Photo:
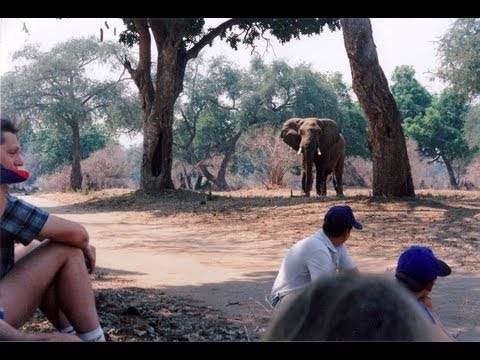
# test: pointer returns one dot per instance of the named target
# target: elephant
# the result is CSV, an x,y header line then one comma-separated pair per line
x,y
321,142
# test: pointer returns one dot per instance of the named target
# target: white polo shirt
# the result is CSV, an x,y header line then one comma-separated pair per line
x,y
307,260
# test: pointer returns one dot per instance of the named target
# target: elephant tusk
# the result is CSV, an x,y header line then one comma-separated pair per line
x,y
319,152
299,151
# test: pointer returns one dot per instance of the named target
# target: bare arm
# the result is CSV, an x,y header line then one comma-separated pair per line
x,y
69,233
64,231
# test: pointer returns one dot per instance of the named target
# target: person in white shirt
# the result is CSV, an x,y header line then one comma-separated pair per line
x,y
323,253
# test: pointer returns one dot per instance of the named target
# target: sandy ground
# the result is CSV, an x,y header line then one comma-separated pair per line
x,y
226,257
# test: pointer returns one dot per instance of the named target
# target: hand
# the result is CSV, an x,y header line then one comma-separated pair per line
x,y
427,301
90,257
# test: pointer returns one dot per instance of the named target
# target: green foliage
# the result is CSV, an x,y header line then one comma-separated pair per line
x,y
459,51
57,86
472,127
350,118
243,166
61,99
246,31
354,129
219,100
188,37
439,133
52,150
129,37
251,29
411,97
216,127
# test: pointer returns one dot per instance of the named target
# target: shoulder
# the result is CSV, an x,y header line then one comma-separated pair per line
x,y
16,207
317,247
316,240
10,197
13,202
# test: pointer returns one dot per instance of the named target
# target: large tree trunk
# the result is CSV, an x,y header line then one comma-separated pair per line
x,y
76,173
158,102
391,168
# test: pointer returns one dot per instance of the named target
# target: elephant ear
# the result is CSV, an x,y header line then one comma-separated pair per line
x,y
290,134
330,131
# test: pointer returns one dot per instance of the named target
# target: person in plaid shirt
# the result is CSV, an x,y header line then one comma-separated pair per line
x,y
49,272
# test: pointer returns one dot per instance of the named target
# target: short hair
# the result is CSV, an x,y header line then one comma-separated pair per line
x,y
338,219
351,308
7,126
334,230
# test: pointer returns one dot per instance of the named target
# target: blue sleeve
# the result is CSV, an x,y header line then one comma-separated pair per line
x,y
22,220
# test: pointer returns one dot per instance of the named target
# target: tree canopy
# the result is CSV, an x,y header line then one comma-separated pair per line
x,y
56,90
439,133
459,51
412,98
178,40
221,103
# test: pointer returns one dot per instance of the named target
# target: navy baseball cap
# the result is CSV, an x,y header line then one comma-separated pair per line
x,y
342,215
417,266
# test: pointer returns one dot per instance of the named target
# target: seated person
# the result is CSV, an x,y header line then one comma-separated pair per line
x,y
351,307
417,270
322,254
51,276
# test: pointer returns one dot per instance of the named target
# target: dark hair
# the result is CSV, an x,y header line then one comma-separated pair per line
x,y
7,126
351,308
332,229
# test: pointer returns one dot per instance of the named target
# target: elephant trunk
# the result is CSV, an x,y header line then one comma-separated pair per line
x,y
309,151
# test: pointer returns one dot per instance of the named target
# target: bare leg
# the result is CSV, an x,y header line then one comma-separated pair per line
x,y
51,310
50,264
48,304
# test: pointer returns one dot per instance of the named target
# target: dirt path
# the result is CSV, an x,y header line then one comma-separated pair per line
x,y
234,273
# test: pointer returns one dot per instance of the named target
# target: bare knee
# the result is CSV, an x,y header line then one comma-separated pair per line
x,y
67,251
57,250
21,250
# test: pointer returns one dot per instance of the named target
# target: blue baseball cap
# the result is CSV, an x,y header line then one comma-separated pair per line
x,y
417,266
342,215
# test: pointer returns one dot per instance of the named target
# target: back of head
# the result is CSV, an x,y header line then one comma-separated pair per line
x,y
338,219
351,308
417,266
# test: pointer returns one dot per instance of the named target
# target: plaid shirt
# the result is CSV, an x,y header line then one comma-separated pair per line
x,y
20,222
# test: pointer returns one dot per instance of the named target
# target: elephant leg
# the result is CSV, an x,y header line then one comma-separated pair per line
x,y
304,184
339,176
321,182
321,188
306,176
